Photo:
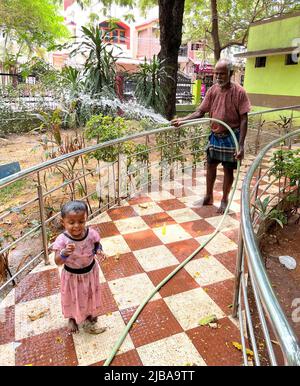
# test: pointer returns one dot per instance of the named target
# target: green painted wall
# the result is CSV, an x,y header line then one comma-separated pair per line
x,y
276,34
274,79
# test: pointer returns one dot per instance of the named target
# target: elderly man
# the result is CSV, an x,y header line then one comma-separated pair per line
x,y
228,102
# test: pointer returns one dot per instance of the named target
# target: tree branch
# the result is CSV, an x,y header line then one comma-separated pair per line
x,y
232,43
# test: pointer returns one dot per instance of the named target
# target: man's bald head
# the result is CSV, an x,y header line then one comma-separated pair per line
x,y
223,72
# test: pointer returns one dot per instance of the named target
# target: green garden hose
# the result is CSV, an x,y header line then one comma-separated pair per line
x,y
167,278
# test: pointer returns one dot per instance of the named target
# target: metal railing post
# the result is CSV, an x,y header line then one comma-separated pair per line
x,y
290,129
42,218
147,143
258,134
238,273
172,157
119,177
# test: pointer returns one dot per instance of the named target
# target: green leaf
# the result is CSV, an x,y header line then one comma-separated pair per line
x,y
279,222
208,319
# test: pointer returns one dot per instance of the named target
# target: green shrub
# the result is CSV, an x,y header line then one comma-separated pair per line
x,y
103,129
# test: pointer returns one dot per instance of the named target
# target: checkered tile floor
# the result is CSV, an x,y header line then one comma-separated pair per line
x,y
145,239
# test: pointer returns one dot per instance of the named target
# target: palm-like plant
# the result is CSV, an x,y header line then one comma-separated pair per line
x,y
72,78
149,91
99,67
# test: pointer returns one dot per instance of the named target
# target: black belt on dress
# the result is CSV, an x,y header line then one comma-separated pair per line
x,y
80,271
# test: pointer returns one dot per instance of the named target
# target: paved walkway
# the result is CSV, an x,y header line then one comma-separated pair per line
x,y
146,238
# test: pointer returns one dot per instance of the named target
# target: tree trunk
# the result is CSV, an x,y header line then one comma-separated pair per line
x,y
215,29
170,23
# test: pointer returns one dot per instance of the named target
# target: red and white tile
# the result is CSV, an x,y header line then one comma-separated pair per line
x,y
145,241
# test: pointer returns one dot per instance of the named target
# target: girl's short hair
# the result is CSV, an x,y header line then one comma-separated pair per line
x,y
74,206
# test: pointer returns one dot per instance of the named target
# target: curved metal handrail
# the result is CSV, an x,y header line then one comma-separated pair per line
x,y
34,169
288,340
274,110
55,161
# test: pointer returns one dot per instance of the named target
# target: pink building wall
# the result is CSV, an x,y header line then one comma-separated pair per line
x,y
67,3
147,41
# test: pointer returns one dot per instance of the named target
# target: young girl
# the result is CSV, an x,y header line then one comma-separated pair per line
x,y
80,286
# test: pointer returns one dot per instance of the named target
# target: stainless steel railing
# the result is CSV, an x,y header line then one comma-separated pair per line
x,y
251,273
117,181
108,181
265,127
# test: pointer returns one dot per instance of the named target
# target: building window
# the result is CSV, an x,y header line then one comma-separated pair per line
x,y
260,61
116,36
113,35
122,37
291,59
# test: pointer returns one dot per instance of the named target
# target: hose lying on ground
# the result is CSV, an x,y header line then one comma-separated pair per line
x,y
181,265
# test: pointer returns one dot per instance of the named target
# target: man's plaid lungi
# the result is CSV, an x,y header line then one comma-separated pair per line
x,y
221,147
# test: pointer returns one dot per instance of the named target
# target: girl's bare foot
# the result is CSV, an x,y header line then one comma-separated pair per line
x,y
222,207
92,319
73,326
207,200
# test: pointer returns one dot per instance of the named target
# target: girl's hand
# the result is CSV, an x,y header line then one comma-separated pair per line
x,y
101,255
69,249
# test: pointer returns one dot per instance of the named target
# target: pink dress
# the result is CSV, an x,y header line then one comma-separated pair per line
x,y
80,293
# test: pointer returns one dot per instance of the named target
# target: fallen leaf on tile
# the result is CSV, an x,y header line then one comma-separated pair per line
x,y
208,319
205,289
108,314
206,257
213,325
143,206
29,364
39,315
59,339
117,256
240,347
197,274
230,306
275,342
164,229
